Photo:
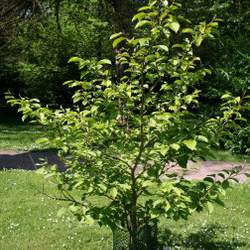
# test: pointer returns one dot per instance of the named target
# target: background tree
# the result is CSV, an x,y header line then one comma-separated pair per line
x,y
38,54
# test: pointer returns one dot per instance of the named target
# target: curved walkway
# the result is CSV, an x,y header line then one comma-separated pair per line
x,y
29,160
198,171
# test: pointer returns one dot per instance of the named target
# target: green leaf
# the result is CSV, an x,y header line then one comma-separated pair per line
x,y
226,96
163,47
117,41
157,202
107,83
174,26
113,192
175,146
148,183
145,8
202,138
191,144
24,117
187,30
116,35
42,140
164,150
198,41
139,16
75,59
68,82
143,41
178,45
167,207
105,61
142,23
237,99
102,187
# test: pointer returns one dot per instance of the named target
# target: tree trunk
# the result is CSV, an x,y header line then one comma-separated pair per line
x,y
121,14
146,239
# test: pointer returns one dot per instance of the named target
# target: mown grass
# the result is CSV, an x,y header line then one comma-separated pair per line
x,y
17,135
227,156
226,228
28,220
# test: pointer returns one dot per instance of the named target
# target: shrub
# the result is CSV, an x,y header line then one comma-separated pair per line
x,y
133,121
239,142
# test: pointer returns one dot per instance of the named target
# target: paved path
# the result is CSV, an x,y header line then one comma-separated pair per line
x,y
29,160
198,171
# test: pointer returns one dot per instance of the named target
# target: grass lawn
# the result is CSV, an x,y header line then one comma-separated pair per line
x,y
28,220
16,135
227,156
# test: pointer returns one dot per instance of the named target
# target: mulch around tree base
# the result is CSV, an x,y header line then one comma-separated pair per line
x,y
31,160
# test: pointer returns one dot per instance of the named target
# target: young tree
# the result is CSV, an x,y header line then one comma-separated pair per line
x,y
128,129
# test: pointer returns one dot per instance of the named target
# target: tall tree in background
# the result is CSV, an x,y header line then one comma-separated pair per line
x,y
12,12
45,34
36,50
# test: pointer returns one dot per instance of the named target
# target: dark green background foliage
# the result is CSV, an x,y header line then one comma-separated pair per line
x,y
35,53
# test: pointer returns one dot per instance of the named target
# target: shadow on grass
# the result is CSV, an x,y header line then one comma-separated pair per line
x,y
204,239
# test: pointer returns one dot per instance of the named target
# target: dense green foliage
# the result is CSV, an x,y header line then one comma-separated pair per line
x,y
35,53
